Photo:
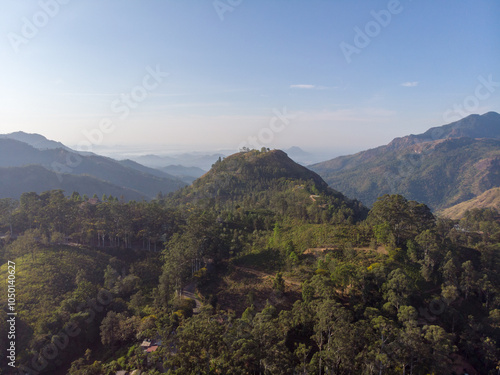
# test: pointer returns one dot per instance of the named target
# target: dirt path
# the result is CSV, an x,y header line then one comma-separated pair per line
x,y
188,292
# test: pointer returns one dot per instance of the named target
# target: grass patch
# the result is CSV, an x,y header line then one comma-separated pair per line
x,y
268,260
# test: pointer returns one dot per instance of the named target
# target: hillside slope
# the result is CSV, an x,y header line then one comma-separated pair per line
x,y
441,167
489,199
34,178
267,180
17,154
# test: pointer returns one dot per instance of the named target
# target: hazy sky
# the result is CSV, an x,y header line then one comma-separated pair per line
x,y
336,75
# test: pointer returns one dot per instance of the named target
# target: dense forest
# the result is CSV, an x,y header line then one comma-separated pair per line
x,y
256,268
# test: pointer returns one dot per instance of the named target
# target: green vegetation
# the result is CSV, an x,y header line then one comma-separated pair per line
x,y
292,278
439,173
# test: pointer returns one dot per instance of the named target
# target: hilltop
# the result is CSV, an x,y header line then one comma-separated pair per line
x,y
266,166
267,180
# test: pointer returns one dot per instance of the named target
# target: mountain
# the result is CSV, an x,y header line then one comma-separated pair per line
x,y
186,174
473,126
16,180
35,140
246,168
489,199
442,167
268,181
299,155
195,159
17,154
141,168
154,161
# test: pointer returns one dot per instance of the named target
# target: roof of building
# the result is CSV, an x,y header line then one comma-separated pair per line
x,y
152,348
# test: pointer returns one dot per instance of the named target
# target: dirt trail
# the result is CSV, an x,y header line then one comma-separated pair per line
x,y
188,292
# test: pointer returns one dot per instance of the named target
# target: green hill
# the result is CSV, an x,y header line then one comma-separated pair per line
x,y
267,180
57,285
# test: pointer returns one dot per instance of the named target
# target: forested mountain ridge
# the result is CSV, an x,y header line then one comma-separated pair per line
x,y
63,161
267,179
14,181
441,167
256,169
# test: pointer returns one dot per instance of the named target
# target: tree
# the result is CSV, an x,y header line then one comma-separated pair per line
x,y
269,334
335,336
439,346
410,348
307,292
27,243
116,328
394,214
382,336
398,288
279,283
468,281
29,205
7,207
110,329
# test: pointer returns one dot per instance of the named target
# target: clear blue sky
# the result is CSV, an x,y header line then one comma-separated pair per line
x,y
231,69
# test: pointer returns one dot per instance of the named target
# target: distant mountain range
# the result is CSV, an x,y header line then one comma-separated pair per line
x,y
57,167
205,160
35,140
186,174
442,167
199,160
16,180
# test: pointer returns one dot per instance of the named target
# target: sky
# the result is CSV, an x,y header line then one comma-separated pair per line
x,y
335,76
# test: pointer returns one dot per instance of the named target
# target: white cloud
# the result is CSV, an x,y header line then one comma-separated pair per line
x,y
302,86
410,84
